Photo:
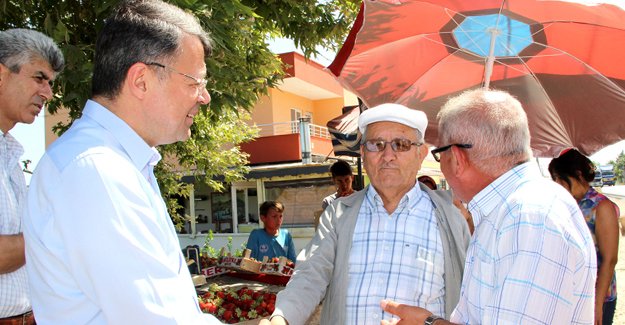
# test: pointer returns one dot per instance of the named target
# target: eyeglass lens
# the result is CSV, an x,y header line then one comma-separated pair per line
x,y
398,145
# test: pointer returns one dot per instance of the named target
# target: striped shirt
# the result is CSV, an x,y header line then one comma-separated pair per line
x,y
397,256
531,259
13,286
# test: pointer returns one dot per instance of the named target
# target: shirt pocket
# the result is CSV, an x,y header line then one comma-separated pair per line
x,y
417,261
483,273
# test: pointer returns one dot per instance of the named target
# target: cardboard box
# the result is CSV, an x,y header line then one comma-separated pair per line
x,y
250,265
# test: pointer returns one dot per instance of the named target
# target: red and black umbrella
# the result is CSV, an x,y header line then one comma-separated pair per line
x,y
562,59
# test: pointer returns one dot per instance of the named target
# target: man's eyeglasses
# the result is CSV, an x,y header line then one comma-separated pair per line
x,y
436,153
398,145
200,84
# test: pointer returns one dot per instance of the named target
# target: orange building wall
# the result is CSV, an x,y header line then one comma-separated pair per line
x,y
283,102
278,148
310,71
62,115
327,109
262,113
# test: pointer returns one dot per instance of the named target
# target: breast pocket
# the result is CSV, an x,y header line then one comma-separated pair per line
x,y
417,261
483,272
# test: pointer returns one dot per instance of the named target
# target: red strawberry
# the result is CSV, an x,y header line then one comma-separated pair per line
x,y
227,315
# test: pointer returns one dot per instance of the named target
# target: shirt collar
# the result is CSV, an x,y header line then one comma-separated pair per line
x,y
14,149
492,196
413,195
139,152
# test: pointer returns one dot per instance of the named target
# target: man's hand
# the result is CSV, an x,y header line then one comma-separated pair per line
x,y
408,315
11,253
277,320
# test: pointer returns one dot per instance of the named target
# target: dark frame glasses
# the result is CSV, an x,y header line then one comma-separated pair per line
x,y
436,153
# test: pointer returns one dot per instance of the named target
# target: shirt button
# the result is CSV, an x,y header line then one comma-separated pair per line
x,y
375,316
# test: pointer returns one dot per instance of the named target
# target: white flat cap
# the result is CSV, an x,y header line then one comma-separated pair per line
x,y
397,113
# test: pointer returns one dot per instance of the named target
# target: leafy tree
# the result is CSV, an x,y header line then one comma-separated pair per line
x,y
240,70
619,167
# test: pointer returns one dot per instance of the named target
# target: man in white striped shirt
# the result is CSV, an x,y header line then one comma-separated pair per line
x,y
29,62
395,239
531,259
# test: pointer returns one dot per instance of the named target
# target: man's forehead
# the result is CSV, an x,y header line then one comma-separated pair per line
x,y
39,65
389,127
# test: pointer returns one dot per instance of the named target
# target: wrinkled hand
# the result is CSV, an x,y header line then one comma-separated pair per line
x,y
407,314
278,320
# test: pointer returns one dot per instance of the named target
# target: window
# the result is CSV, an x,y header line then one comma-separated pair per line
x,y
301,199
296,114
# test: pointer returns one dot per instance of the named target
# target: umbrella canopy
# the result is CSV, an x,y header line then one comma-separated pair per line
x,y
562,59
344,132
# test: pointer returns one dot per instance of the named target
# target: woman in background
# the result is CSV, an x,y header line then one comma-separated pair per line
x,y
574,172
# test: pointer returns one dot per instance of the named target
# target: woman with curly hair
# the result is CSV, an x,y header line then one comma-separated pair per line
x,y
574,172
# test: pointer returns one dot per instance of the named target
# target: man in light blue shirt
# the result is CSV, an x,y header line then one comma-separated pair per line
x,y
100,245
531,259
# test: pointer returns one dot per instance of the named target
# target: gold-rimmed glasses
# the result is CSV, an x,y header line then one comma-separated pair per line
x,y
200,84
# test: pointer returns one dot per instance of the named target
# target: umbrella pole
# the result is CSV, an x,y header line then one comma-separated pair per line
x,y
360,183
490,60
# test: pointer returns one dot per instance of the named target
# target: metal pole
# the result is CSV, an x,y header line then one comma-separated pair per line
x,y
304,139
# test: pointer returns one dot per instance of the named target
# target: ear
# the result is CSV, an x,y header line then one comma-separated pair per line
x,y
4,72
424,149
460,162
139,79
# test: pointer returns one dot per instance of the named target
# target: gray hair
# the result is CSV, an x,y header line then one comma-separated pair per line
x,y
140,31
20,46
493,122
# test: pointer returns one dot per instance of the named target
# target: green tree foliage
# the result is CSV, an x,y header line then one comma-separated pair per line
x,y
619,167
240,70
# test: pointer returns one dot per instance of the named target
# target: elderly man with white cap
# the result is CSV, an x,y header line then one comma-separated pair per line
x,y
396,239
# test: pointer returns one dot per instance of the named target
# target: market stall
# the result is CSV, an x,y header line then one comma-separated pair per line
x,y
240,290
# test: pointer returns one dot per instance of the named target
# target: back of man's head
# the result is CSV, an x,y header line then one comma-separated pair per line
x,y
19,46
140,31
493,122
340,168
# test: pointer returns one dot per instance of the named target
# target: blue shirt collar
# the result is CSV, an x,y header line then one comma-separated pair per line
x,y
413,195
489,198
140,153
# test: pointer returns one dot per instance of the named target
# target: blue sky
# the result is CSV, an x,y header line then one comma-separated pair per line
x,y
32,136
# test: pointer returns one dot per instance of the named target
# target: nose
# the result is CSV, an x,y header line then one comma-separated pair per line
x,y
388,153
205,97
46,92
